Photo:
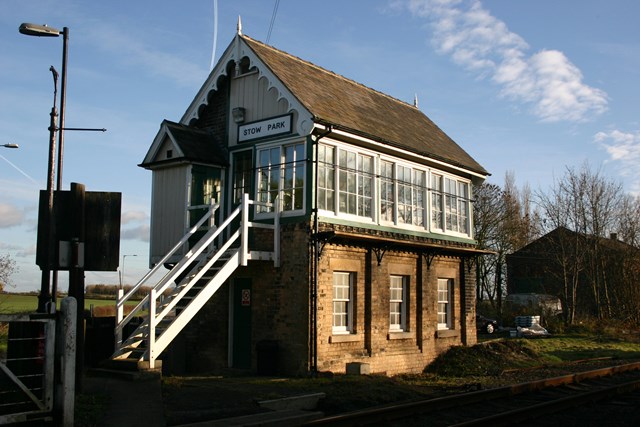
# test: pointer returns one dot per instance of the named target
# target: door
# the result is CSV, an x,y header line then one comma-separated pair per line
x,y
241,323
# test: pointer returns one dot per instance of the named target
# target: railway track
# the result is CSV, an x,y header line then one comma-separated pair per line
x,y
510,405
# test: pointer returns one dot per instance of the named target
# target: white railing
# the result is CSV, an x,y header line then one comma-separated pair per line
x,y
195,262
121,300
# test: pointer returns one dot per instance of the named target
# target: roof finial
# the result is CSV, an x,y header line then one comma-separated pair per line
x,y
239,25
415,100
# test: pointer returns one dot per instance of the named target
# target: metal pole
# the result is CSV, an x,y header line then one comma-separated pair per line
x,y
63,102
45,296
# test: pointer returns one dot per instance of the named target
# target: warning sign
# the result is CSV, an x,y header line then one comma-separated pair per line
x,y
246,297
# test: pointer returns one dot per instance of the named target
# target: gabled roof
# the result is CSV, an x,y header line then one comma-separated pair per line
x,y
350,106
193,145
564,234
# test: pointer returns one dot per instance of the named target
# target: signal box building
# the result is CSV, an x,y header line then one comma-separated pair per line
x,y
357,212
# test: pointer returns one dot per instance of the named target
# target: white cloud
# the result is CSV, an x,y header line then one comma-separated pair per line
x,y
9,247
10,216
137,233
133,216
483,44
29,251
623,148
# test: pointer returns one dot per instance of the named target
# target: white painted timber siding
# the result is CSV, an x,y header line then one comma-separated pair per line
x,y
168,209
260,102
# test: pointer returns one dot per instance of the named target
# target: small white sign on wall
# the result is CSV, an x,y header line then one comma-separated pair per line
x,y
274,126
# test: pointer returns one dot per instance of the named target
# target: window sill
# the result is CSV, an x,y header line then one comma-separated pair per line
x,y
343,338
447,333
400,335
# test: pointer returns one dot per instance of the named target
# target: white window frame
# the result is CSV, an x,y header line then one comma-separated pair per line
x,y
445,304
327,175
455,206
384,181
420,194
342,305
398,291
279,171
360,177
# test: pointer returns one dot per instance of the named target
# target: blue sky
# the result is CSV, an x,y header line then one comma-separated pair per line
x,y
529,86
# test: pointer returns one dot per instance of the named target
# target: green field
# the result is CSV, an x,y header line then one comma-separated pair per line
x,y
20,303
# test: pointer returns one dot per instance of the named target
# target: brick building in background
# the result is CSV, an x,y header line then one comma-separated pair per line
x,y
376,252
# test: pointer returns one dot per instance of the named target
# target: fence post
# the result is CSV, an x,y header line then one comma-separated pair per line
x,y
67,389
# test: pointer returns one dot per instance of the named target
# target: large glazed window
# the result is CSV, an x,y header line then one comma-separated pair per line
x,y
293,185
357,184
355,177
387,187
450,205
281,173
326,178
456,206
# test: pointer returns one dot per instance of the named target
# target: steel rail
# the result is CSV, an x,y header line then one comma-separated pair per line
x,y
401,410
555,405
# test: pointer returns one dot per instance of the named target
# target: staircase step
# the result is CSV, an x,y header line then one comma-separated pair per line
x,y
134,347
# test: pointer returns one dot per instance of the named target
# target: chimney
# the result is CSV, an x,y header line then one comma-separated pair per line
x,y
614,236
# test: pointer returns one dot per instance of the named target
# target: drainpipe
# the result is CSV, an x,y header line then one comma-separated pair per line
x,y
316,261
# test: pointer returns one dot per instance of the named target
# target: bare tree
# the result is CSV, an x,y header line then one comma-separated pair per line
x,y
559,209
503,223
588,204
628,220
7,269
488,213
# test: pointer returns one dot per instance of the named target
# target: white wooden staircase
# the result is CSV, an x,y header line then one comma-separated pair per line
x,y
207,266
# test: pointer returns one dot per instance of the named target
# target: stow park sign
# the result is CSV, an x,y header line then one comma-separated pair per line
x,y
274,126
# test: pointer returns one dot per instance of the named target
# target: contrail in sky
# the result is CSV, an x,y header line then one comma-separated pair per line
x,y
215,33
19,170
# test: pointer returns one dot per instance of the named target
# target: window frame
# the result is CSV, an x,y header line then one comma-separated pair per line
x,y
278,172
454,208
241,179
346,325
401,311
363,180
406,186
447,302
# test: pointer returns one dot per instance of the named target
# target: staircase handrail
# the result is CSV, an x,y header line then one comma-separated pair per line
x,y
160,263
195,252
192,281
205,246
121,300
